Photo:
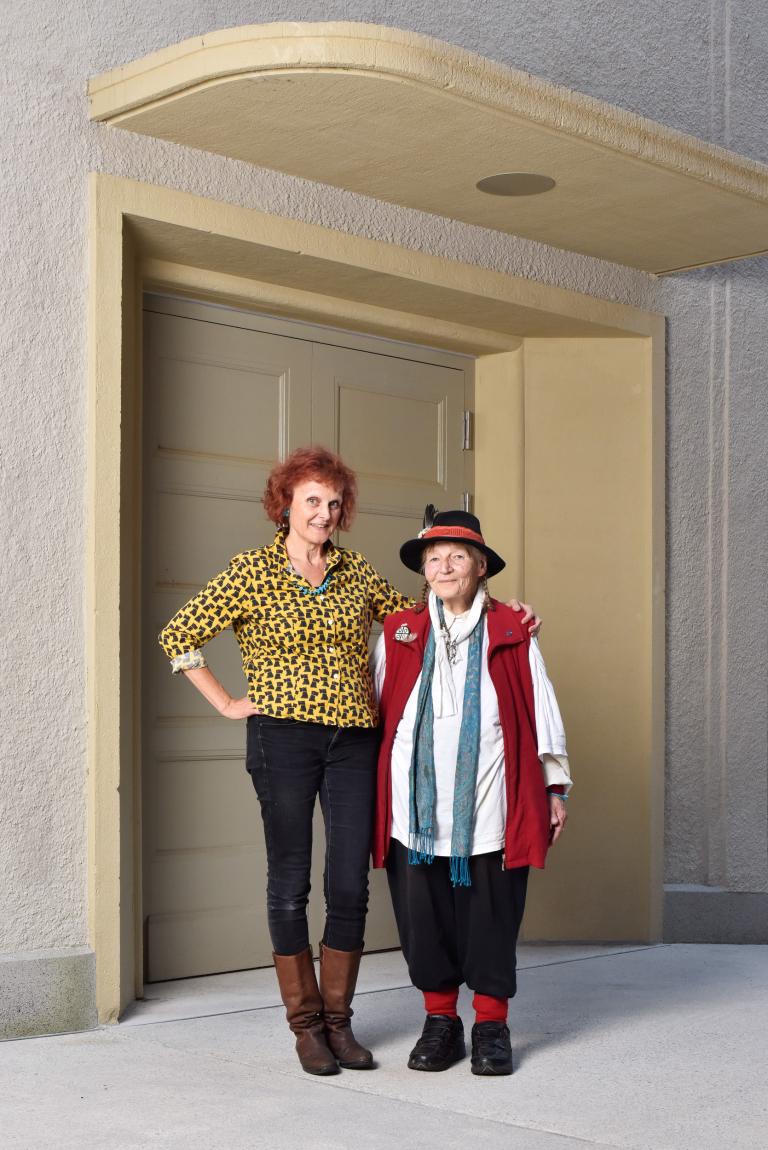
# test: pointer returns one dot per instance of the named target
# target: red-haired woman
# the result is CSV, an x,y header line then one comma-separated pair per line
x,y
301,609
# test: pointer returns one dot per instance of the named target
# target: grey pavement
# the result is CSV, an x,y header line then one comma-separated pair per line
x,y
651,1048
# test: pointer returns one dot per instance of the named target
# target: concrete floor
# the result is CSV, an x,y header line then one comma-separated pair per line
x,y
650,1048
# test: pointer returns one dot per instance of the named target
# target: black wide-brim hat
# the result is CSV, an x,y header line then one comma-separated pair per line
x,y
449,527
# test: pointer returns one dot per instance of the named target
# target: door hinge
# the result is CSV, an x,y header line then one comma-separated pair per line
x,y
466,501
468,431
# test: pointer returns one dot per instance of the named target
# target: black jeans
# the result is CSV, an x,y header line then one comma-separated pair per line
x,y
290,763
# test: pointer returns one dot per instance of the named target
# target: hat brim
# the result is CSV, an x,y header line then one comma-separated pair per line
x,y
412,551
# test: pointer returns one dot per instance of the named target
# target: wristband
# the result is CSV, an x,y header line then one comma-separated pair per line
x,y
557,795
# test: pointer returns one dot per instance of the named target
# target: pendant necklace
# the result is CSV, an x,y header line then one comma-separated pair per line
x,y
451,645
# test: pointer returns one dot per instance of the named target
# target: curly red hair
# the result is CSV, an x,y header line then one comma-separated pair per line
x,y
310,463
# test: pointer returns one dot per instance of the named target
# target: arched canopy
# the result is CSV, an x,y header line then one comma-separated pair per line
x,y
414,121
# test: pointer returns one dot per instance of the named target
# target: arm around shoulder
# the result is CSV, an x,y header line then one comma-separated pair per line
x,y
385,599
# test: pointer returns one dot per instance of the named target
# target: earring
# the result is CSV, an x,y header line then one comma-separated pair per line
x,y
287,513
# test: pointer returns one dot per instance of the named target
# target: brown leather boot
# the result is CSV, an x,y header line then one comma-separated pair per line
x,y
338,978
304,1011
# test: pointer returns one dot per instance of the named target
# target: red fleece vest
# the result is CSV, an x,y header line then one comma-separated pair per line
x,y
526,835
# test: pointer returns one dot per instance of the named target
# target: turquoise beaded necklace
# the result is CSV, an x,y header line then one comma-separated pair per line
x,y
306,589
302,586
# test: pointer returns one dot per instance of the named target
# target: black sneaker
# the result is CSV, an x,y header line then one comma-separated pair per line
x,y
491,1048
441,1044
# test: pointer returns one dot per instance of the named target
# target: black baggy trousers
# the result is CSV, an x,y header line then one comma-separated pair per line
x,y
452,935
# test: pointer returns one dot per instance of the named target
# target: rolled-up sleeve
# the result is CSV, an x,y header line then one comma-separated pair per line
x,y
203,617
549,724
189,661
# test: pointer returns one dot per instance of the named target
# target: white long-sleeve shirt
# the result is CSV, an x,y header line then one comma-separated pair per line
x,y
490,789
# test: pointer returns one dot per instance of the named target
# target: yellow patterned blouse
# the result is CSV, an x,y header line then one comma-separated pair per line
x,y
305,655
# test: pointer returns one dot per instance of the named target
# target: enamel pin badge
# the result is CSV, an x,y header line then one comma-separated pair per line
x,y
404,635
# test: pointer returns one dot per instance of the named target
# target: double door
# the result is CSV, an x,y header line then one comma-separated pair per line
x,y
226,395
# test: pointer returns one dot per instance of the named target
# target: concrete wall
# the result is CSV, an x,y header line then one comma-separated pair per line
x,y
696,67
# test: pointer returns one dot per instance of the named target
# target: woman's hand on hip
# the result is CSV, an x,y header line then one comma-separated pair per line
x,y
558,817
530,614
239,708
204,680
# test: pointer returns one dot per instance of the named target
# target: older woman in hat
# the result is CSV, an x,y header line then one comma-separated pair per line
x,y
472,782
301,609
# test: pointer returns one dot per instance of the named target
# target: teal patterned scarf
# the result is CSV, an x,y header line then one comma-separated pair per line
x,y
422,786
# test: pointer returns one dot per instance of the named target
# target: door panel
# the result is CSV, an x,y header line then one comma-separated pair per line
x,y
222,403
191,529
386,434
379,537
398,423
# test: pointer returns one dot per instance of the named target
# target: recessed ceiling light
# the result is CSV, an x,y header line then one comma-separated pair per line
x,y
515,184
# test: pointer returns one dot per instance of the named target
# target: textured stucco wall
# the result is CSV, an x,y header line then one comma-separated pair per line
x,y
717,616
717,529
695,70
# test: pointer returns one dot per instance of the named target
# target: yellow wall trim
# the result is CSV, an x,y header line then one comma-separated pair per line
x,y
141,235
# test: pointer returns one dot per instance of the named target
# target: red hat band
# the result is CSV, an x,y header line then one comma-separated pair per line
x,y
452,533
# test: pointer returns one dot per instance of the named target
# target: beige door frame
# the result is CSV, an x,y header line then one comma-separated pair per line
x,y
146,237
